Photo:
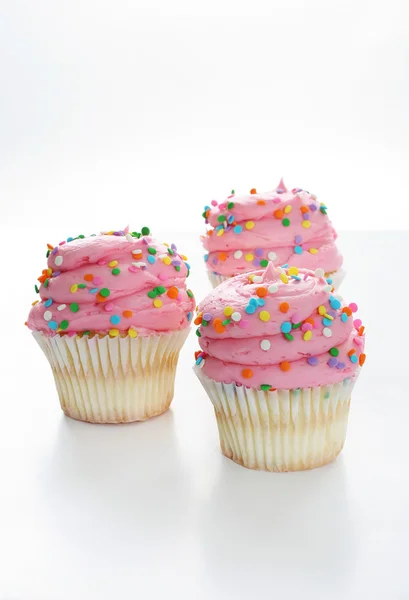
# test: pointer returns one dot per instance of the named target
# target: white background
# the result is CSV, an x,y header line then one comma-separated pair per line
x,y
141,113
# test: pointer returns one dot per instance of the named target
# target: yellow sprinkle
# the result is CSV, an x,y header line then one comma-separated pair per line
x,y
322,310
34,303
293,271
249,225
166,260
307,336
251,278
313,250
165,244
157,303
264,315
228,311
288,209
49,271
283,277
73,288
183,257
328,317
249,257
132,333
113,264
113,332
306,224
220,232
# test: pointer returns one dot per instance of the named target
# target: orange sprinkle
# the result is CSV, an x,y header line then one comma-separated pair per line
x,y
253,191
347,311
362,359
247,373
284,306
222,256
172,292
361,330
50,247
210,232
351,352
279,214
217,324
100,298
261,202
285,366
127,314
304,209
197,354
198,321
309,320
88,277
261,292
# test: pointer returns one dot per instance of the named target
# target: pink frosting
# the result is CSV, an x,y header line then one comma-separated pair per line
x,y
108,300
243,325
253,231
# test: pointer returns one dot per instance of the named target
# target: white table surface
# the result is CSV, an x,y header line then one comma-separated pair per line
x,y
153,510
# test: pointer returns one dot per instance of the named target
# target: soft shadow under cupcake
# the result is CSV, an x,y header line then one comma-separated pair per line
x,y
264,533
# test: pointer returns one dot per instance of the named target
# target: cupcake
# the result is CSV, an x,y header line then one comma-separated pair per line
x,y
280,354
284,227
113,314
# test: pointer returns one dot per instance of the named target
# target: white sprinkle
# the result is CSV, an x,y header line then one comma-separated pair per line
x,y
202,364
236,316
139,264
58,260
139,251
272,256
238,254
265,345
61,307
48,315
319,272
273,288
257,279
327,332
129,237
328,288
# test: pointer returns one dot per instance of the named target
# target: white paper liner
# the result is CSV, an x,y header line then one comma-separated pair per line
x,y
114,380
284,430
337,278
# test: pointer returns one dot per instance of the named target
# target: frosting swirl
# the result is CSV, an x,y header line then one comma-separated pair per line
x,y
278,329
113,283
285,227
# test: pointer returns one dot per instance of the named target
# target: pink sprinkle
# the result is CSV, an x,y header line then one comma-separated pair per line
x,y
102,261
295,318
222,206
213,202
243,323
306,276
353,307
358,341
109,306
357,323
72,333
163,276
97,280
61,243
133,269
276,200
306,327
179,297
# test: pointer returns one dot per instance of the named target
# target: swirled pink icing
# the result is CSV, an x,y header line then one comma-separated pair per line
x,y
278,328
113,284
285,227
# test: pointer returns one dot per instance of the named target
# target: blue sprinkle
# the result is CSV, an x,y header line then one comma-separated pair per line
x,y
253,301
187,265
329,281
48,302
353,358
327,322
261,301
238,229
335,304
286,327
189,316
230,219
344,317
284,266
296,277
53,325
69,239
93,291
219,227
151,259
298,250
250,309
199,360
206,257
115,319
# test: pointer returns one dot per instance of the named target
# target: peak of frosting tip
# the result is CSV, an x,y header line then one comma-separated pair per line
x,y
281,187
271,273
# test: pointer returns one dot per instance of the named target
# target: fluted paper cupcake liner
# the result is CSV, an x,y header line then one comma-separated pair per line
x,y
113,380
337,278
281,430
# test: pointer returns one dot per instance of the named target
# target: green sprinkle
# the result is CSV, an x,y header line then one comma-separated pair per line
x,y
189,293
37,291
136,234
116,271
46,282
48,253
323,210
198,333
105,292
265,387
221,218
177,268
145,231
74,307
64,324
82,286
289,337
170,251
232,192
334,351
204,215
151,250
297,325
226,322
160,289
86,333
263,263
81,236
152,294
230,205
285,222
204,323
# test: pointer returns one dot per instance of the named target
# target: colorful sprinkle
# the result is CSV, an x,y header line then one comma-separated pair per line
x,y
115,319
313,361
238,254
105,292
307,335
285,366
61,307
326,332
332,362
334,351
362,359
264,315
64,324
272,256
286,327
306,224
247,373
249,257
284,307
265,345
272,289
237,229
283,277
157,303
53,325
249,225
228,311
113,332
74,307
